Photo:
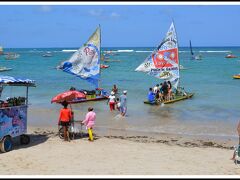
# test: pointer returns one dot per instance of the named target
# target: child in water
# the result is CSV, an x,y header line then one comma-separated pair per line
x,y
118,104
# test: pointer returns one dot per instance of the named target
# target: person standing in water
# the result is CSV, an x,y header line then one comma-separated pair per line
x,y
123,103
115,89
111,101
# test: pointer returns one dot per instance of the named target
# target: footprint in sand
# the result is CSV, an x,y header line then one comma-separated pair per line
x,y
117,117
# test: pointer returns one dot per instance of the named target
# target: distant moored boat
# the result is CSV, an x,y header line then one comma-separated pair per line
x,y
193,57
11,56
5,69
47,54
1,50
230,56
237,76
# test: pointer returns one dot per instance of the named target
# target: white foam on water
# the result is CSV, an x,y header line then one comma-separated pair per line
x,y
126,50
69,50
215,51
143,51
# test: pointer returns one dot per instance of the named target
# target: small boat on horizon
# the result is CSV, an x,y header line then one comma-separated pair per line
x,y
1,50
194,57
11,56
237,76
104,66
47,54
181,67
5,69
230,56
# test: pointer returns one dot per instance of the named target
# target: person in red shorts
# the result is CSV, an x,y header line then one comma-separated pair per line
x,y
111,101
65,117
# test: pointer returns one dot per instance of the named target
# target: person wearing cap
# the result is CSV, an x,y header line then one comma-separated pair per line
x,y
111,101
123,103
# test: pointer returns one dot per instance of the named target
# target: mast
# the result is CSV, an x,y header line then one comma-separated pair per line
x,y
191,48
177,55
100,57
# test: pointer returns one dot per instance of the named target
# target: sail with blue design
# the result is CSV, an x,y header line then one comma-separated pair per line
x,y
85,63
163,62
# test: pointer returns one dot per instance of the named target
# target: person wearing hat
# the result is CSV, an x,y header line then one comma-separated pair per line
x,y
123,103
111,101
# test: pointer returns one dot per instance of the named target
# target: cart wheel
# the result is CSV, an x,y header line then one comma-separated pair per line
x,y
72,136
24,139
61,133
6,144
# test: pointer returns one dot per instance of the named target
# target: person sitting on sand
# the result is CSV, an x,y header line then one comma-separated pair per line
x,y
238,147
65,117
89,122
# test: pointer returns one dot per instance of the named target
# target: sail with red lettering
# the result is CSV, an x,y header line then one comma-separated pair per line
x,y
163,62
85,63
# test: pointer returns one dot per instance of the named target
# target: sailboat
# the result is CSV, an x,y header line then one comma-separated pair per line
x,y
163,63
4,69
85,64
193,57
230,55
1,50
11,56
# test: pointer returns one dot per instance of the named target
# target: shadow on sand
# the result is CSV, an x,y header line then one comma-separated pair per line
x,y
35,139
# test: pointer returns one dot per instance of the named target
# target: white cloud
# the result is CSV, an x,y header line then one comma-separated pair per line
x,y
46,8
113,14
97,13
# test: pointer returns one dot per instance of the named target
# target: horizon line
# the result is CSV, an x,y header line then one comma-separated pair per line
x,y
115,47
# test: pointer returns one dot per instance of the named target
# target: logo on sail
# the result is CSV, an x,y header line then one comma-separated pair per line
x,y
165,58
166,75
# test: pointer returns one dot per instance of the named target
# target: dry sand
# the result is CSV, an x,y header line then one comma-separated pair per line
x,y
117,155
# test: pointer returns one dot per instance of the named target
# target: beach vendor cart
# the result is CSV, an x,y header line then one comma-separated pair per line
x,y
13,112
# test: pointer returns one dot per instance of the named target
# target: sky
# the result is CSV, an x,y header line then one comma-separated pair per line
x,y
28,26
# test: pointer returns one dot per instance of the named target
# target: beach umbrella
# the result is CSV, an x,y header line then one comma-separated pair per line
x,y
67,96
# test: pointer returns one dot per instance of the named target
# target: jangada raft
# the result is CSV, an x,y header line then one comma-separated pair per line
x,y
85,64
163,63
13,110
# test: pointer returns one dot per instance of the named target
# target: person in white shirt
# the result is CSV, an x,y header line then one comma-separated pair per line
x,y
111,101
156,89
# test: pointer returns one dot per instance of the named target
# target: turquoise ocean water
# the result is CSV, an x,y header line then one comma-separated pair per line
x,y
214,109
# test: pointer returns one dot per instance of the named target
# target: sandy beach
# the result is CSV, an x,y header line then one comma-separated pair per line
x,y
47,154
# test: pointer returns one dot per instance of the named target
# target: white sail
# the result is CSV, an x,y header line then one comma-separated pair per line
x,y
163,62
85,62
